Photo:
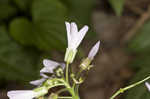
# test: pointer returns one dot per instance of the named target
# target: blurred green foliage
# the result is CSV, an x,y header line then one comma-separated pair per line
x,y
29,28
140,46
117,6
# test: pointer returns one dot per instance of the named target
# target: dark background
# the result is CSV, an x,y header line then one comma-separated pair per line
x,y
31,30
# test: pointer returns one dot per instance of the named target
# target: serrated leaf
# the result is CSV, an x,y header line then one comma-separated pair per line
x,y
21,29
141,42
117,5
16,63
140,91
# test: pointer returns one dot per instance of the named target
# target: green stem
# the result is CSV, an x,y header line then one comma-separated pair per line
x,y
62,90
67,72
121,90
64,97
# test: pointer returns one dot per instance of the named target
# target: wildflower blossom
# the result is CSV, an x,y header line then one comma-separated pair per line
x,y
147,85
74,39
50,65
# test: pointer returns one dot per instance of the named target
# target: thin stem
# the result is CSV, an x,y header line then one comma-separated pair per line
x,y
121,90
62,90
78,75
67,72
65,97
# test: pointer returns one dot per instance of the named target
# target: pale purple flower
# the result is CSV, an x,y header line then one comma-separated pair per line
x,y
27,94
50,65
38,82
94,51
147,85
74,39
74,36
21,94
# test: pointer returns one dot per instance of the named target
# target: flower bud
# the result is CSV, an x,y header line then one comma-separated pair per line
x,y
85,65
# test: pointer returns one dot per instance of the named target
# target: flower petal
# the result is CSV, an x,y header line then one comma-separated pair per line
x,y
46,70
68,32
43,75
37,82
21,94
73,29
81,35
49,63
147,85
63,65
94,50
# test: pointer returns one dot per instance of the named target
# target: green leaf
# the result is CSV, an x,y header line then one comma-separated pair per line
x,y
141,42
47,29
117,5
16,63
48,17
21,29
139,92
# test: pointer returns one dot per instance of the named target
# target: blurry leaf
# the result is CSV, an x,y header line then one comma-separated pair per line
x,y
48,17
81,10
141,62
139,92
6,10
16,63
23,4
117,5
47,29
21,29
141,42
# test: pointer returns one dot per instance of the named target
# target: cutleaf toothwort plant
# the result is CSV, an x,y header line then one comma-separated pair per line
x,y
61,73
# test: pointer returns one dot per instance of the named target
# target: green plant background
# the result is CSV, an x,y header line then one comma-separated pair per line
x,y
29,28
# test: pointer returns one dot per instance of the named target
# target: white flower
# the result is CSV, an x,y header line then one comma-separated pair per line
x,y
74,39
94,51
147,85
50,65
74,36
21,94
27,94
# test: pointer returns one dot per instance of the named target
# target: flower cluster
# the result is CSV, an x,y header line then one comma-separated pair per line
x,y
61,75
